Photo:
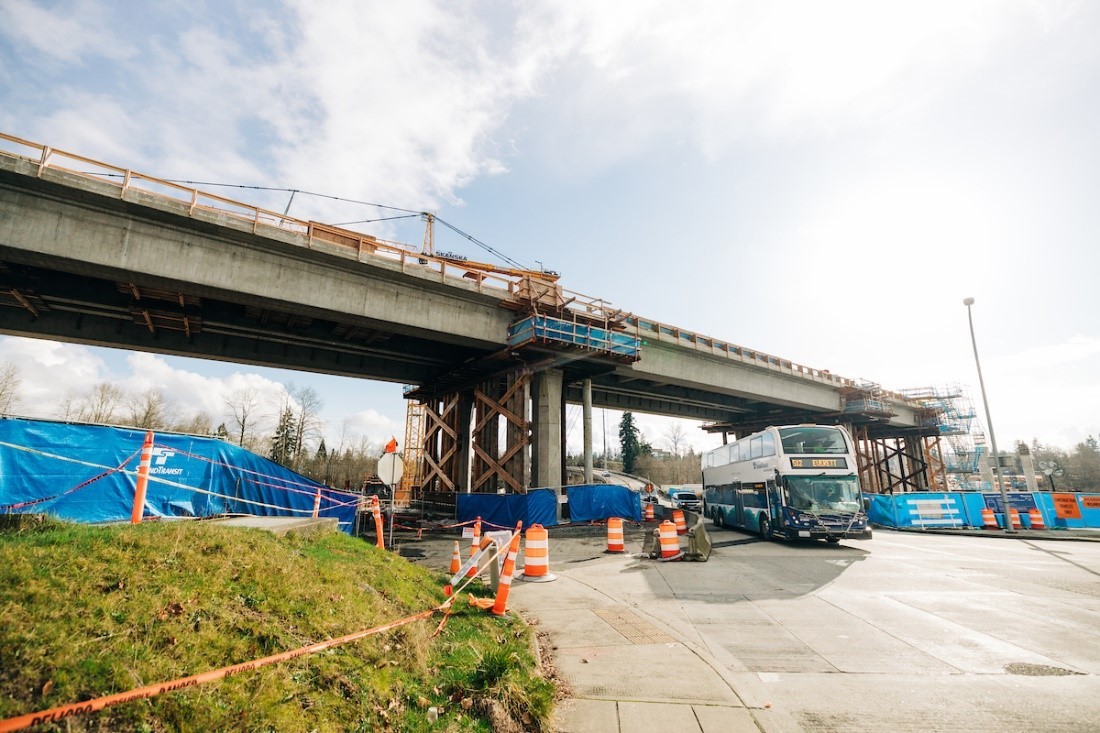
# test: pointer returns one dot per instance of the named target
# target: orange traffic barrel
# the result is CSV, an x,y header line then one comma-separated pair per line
x,y
456,560
1015,518
670,542
615,535
989,519
536,555
681,523
648,511
1036,518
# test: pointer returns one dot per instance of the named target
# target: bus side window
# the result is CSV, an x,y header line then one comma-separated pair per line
x,y
768,445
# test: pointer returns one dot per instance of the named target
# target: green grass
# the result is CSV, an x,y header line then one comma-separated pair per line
x,y
90,611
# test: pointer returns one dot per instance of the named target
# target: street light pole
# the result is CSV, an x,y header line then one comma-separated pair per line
x,y
989,422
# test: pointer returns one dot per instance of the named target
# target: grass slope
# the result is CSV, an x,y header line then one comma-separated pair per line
x,y
89,611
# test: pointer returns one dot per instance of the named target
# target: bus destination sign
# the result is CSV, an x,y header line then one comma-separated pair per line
x,y
819,463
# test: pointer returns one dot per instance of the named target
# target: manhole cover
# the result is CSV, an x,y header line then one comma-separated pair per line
x,y
1037,670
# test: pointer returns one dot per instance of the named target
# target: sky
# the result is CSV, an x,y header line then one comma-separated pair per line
x,y
824,182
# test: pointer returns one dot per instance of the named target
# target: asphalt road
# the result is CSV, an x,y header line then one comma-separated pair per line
x,y
904,632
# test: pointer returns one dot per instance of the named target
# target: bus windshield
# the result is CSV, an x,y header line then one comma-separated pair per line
x,y
812,439
823,494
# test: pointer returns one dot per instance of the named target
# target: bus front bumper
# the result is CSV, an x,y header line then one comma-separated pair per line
x,y
819,533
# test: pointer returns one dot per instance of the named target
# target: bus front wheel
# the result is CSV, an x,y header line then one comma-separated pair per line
x,y
719,520
765,528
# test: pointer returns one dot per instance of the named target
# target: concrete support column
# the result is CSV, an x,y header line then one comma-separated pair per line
x,y
465,452
587,397
546,427
1027,465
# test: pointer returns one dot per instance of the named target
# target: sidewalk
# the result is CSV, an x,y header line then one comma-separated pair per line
x,y
634,669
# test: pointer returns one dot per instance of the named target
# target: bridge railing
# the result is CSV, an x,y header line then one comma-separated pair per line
x,y
508,285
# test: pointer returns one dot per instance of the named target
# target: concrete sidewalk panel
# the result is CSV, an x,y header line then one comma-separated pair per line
x,y
578,715
719,719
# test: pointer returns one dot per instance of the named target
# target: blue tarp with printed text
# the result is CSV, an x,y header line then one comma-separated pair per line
x,y
88,473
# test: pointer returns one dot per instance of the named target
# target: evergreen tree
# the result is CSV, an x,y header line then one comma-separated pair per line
x,y
222,432
631,444
283,442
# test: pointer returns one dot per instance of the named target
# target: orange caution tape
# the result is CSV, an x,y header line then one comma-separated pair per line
x,y
53,715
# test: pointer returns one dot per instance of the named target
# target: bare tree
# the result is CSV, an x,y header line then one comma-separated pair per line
x,y
100,404
675,438
151,409
308,419
243,405
11,379
201,423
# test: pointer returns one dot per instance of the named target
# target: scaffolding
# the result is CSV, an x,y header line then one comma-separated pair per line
x,y
950,410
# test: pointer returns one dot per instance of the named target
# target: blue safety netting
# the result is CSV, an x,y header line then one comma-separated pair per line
x,y
538,506
588,502
88,473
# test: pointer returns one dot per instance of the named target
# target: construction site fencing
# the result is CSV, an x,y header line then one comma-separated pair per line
x,y
963,509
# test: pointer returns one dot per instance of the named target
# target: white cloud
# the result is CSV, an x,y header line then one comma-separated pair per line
x,y
71,34
49,370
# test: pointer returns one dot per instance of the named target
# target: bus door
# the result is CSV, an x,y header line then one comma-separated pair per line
x,y
737,503
775,510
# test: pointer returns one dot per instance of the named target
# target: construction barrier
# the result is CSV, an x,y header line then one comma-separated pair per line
x,y
989,519
57,714
1014,514
670,542
143,479
475,542
648,509
615,535
536,555
500,605
679,520
1035,517
379,532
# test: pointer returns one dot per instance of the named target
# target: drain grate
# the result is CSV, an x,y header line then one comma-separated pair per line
x,y
1037,670
633,628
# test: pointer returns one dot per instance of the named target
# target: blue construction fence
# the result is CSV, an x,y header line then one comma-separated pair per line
x,y
963,509
584,503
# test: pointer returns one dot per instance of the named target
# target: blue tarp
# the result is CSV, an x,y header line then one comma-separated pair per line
x,y
588,502
88,473
538,506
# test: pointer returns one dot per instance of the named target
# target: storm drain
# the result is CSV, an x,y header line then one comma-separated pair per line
x,y
630,626
1037,670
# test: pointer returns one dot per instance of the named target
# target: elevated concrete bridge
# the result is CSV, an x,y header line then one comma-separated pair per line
x,y
99,255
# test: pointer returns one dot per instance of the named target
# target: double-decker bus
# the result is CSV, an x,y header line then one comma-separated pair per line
x,y
796,481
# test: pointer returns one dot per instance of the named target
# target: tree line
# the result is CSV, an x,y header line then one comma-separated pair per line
x,y
285,426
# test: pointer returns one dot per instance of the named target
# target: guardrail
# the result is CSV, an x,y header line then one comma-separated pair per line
x,y
514,287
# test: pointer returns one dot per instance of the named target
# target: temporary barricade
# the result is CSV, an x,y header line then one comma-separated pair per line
x,y
649,515
679,521
88,473
670,542
916,509
596,502
537,506
536,555
615,535
1035,517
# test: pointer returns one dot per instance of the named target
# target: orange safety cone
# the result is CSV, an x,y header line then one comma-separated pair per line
x,y
474,543
670,542
615,535
989,519
456,560
648,512
1036,518
679,521
1016,524
536,555
500,606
